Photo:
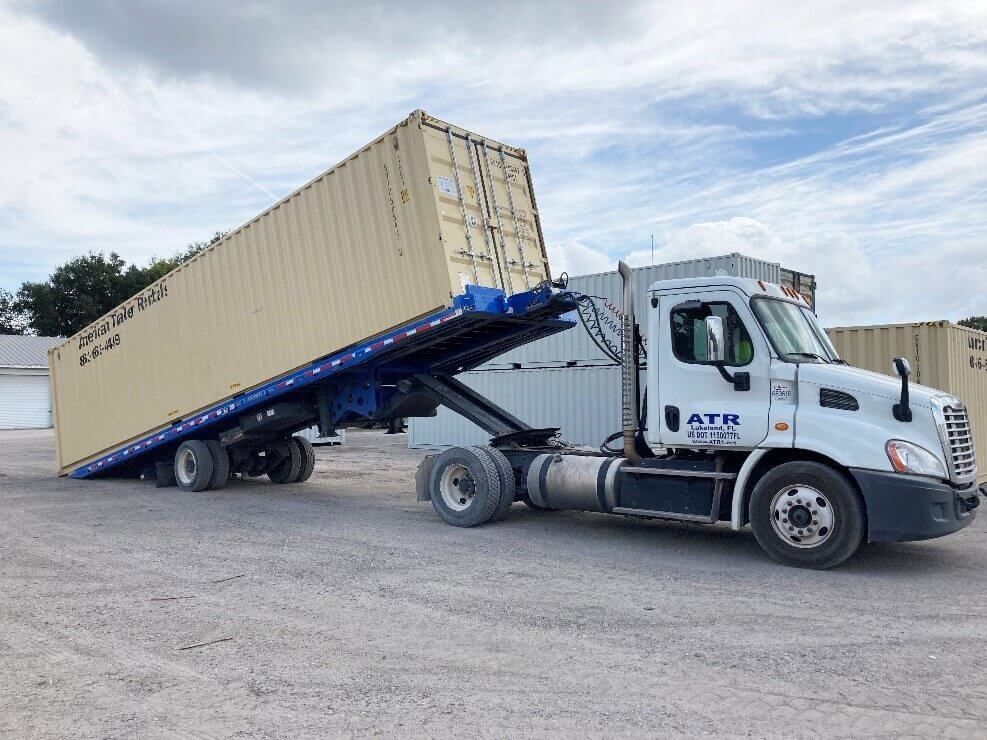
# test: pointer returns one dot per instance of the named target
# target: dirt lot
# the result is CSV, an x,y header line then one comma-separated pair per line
x,y
350,608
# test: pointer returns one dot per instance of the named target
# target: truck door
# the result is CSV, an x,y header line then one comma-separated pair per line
x,y
696,406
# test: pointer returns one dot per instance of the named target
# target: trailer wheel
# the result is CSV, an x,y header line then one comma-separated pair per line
x,y
288,470
808,515
308,459
508,484
220,465
465,486
193,465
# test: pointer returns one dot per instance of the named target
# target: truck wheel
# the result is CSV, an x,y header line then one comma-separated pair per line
x,y
193,465
220,465
465,486
508,484
290,467
308,459
808,515
422,476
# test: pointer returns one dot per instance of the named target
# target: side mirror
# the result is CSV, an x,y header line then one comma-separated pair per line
x,y
715,342
901,411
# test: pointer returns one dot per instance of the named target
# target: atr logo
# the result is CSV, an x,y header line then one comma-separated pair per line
x,y
714,419
715,430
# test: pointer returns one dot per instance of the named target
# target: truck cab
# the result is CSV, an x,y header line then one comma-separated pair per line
x,y
743,365
749,416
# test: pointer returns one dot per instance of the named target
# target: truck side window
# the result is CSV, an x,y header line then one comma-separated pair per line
x,y
689,333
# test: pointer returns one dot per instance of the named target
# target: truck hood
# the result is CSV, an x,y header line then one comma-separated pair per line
x,y
858,380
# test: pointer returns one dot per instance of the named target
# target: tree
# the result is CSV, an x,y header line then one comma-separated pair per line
x,y
975,322
160,267
85,288
12,320
76,294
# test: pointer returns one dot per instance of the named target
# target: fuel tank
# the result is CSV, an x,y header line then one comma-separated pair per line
x,y
574,482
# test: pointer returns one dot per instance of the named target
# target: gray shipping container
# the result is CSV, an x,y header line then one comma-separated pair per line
x,y
583,401
575,347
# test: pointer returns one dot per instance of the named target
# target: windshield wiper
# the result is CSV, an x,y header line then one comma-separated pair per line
x,y
811,355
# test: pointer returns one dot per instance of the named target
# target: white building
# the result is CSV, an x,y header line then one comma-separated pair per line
x,y
25,397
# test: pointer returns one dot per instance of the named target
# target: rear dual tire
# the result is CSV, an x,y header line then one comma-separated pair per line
x,y
298,463
194,465
470,485
221,465
204,464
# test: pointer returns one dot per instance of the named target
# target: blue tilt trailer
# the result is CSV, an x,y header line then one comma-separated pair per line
x,y
405,372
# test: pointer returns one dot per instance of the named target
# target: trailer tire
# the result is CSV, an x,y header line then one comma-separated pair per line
x,y
193,465
808,515
308,459
465,486
220,465
288,469
508,484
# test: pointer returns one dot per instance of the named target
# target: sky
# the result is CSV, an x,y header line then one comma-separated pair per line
x,y
847,140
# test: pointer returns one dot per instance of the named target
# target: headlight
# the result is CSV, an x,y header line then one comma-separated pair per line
x,y
906,457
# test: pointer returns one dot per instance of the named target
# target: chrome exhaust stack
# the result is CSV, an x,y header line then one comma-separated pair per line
x,y
628,368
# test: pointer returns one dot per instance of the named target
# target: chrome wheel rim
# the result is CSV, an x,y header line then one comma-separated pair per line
x,y
802,516
186,467
457,487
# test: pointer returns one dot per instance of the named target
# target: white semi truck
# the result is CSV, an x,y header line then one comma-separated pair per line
x,y
749,417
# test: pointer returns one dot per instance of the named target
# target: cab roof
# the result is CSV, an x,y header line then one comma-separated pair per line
x,y
748,286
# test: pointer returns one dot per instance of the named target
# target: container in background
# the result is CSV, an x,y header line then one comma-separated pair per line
x,y
583,401
801,283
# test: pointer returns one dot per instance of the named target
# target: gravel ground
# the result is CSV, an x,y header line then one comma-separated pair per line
x,y
345,607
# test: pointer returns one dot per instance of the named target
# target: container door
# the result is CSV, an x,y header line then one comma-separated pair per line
x,y
487,214
696,406
510,219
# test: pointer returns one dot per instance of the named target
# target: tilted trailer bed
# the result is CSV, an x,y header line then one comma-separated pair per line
x,y
407,371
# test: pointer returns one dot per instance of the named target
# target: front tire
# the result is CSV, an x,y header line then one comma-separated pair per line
x,y
465,486
808,515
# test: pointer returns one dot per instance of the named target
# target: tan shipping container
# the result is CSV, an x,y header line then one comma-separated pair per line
x,y
942,355
389,234
800,282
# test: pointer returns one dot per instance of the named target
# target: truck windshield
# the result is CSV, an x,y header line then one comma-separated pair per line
x,y
794,332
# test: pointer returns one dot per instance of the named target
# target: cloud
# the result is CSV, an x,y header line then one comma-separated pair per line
x,y
843,272
578,259
844,139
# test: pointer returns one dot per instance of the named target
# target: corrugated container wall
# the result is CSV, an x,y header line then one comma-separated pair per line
x,y
942,355
802,283
390,234
576,347
583,401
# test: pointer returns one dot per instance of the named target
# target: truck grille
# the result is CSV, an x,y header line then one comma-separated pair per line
x,y
960,439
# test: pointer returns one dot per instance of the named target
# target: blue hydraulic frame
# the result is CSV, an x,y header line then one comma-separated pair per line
x,y
542,305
